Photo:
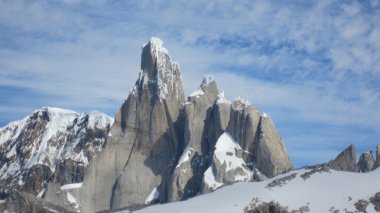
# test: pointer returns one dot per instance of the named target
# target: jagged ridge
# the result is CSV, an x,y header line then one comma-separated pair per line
x,y
50,144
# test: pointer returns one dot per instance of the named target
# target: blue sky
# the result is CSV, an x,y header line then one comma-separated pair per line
x,y
313,66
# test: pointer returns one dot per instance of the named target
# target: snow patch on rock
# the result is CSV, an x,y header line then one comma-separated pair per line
x,y
241,103
209,179
41,193
222,99
71,186
185,156
154,195
225,152
72,200
197,93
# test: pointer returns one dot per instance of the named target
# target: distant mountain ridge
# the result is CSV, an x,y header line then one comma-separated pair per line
x,y
160,147
51,143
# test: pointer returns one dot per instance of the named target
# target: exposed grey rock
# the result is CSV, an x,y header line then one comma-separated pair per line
x,y
345,161
319,168
270,154
377,163
187,175
255,206
366,162
244,126
375,200
15,201
259,139
282,181
143,145
258,176
361,205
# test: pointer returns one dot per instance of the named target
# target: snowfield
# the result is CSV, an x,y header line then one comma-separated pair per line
x,y
321,192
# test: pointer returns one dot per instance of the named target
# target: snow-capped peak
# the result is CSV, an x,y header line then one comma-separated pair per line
x,y
157,42
157,45
98,119
56,111
47,137
160,71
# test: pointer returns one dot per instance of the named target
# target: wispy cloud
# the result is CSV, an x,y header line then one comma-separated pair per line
x,y
313,62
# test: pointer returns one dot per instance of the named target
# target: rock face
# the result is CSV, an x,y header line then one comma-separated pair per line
x,y
143,144
270,155
366,162
198,142
155,104
345,161
220,139
377,163
164,148
14,201
49,145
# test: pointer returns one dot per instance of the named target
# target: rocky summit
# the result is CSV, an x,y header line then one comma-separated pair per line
x,y
161,147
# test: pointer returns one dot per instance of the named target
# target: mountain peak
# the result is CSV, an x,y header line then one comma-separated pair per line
x,y
241,103
55,111
207,80
156,43
158,72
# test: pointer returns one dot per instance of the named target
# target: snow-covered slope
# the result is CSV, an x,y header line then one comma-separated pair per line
x,y
305,190
42,146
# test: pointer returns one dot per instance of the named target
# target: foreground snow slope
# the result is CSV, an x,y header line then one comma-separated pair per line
x,y
321,192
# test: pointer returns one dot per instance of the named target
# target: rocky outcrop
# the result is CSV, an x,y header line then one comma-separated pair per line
x,y
255,206
49,145
345,161
366,162
14,201
259,139
375,200
256,150
377,162
270,155
198,140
